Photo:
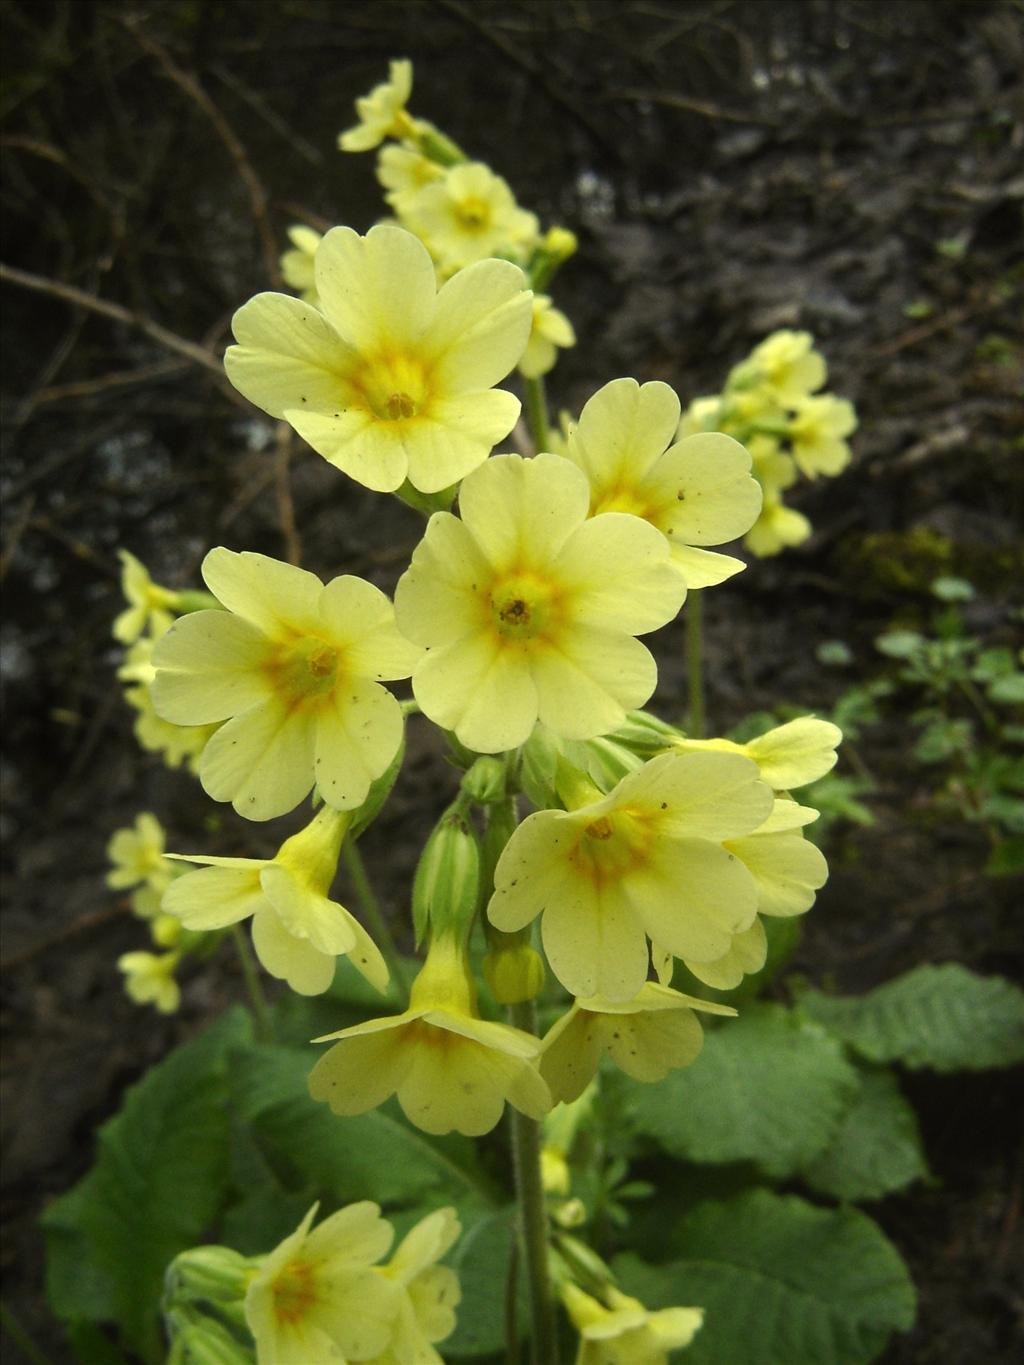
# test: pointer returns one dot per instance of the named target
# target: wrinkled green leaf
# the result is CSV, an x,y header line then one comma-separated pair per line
x,y
158,1182
944,1017
877,1148
768,1087
781,1283
480,1258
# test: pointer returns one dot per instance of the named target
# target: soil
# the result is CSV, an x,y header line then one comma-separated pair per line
x,y
844,166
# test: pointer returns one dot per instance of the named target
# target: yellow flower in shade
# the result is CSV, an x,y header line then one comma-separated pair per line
x,y
297,930
403,172
469,215
529,609
149,979
645,861
817,431
697,492
646,1037
297,263
393,378
148,603
625,1332
318,1297
788,363
703,414
137,855
551,329
382,112
777,528
450,1068
297,667
788,871
428,1293
788,756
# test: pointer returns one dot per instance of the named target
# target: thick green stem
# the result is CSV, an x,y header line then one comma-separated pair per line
x,y
533,1218
694,666
372,913
537,413
253,986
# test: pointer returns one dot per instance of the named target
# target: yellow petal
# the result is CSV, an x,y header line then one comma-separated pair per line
x,y
521,512
278,598
439,598
589,679
368,450
623,429
619,574
288,356
356,735
706,490
699,795
596,945
359,1073
304,914
378,291
261,761
648,1046
359,617
307,970
209,666
213,897
691,897
481,325
455,435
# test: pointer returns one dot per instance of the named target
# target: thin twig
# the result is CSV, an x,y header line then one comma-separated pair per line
x,y
285,505
117,379
670,99
80,299
251,181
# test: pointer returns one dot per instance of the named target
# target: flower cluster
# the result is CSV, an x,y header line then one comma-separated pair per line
x,y
139,865
771,403
323,1294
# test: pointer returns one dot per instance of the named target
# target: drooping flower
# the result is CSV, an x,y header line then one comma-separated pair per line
x,y
297,666
551,329
468,215
697,491
644,862
137,855
450,1068
149,979
817,431
428,1293
788,756
529,609
382,112
317,1297
297,262
149,604
297,930
623,1332
788,363
646,1037
392,379
778,526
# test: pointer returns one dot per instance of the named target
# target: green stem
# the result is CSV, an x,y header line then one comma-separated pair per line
x,y
372,913
253,986
537,413
21,1338
695,666
533,1218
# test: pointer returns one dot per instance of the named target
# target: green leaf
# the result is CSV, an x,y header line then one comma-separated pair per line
x,y
878,1146
769,1087
1007,858
1008,690
781,1283
480,1258
371,1156
943,1017
158,1182
900,644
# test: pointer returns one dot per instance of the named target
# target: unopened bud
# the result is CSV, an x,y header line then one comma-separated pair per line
x,y
514,973
485,781
211,1273
446,889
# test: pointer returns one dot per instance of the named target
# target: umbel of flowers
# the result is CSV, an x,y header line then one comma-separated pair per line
x,y
516,627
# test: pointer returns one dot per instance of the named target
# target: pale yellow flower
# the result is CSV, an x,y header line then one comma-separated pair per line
x,y
703,414
149,604
175,743
697,492
297,667
149,979
777,528
646,1037
625,1332
382,112
469,215
297,263
551,329
392,379
529,609
137,855
318,1298
787,362
788,756
297,930
428,1293
817,431
450,1068
403,172
645,861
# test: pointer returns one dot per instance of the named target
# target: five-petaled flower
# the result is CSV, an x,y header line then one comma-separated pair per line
x,y
297,666
644,862
697,491
529,609
450,1068
393,379
382,112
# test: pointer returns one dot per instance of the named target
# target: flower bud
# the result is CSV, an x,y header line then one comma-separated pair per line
x,y
514,972
446,888
485,781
